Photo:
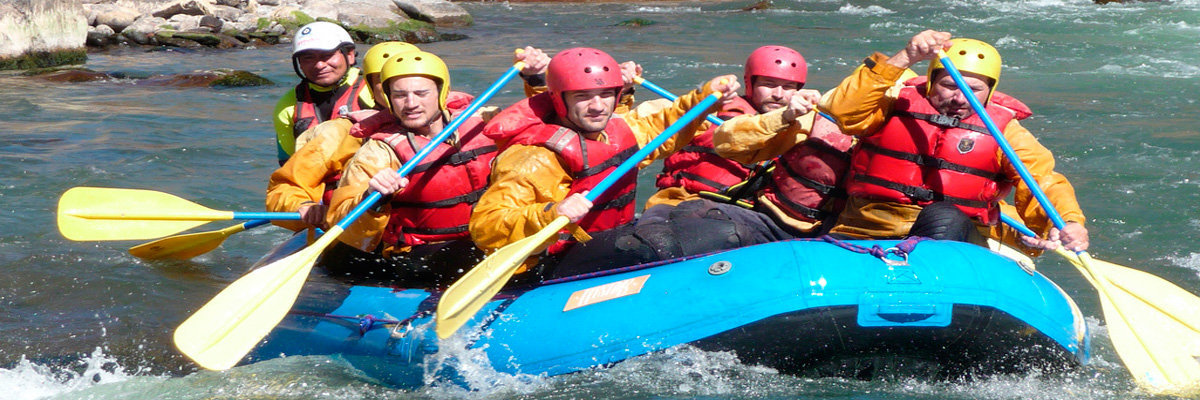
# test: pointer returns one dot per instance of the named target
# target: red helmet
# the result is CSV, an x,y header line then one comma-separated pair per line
x,y
580,68
776,62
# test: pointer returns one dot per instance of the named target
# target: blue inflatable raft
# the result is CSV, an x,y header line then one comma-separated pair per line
x,y
806,307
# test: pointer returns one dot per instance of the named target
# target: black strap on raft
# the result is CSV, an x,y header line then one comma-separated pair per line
x,y
438,231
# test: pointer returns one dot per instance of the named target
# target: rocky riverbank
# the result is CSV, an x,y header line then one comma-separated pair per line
x,y
46,33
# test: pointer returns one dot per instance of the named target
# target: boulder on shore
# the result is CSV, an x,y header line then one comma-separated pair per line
x,y
42,33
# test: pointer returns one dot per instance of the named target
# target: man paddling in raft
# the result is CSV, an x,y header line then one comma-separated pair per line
x,y
792,195
558,145
927,166
323,56
419,234
306,181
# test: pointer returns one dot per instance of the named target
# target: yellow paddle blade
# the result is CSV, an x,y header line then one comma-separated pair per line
x,y
91,213
1153,325
221,332
466,296
183,247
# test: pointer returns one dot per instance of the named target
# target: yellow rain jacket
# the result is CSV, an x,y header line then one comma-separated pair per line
x,y
301,180
527,181
862,103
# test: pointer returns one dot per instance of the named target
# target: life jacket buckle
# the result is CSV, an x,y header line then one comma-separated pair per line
x,y
944,120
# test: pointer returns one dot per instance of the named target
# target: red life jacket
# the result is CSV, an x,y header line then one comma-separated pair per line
x,y
921,156
806,181
306,115
445,185
697,167
587,161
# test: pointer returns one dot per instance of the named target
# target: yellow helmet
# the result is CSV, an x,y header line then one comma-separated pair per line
x,y
418,63
970,55
380,53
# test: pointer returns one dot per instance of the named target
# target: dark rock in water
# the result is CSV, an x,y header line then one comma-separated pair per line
x,y
636,22
206,39
71,74
238,78
760,5
43,59
411,31
218,78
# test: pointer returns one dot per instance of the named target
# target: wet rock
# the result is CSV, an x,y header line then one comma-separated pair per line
x,y
189,7
437,12
142,31
759,5
70,75
238,78
116,17
636,22
367,13
184,22
101,36
170,38
49,32
213,24
218,79
226,13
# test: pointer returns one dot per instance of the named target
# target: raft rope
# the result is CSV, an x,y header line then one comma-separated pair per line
x,y
365,322
901,250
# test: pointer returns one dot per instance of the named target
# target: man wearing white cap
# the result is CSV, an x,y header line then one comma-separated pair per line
x,y
323,56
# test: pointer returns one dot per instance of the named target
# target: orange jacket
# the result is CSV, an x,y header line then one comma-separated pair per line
x,y
527,181
862,103
301,180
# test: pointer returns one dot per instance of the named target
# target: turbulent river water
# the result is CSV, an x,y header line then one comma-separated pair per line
x,y
1114,89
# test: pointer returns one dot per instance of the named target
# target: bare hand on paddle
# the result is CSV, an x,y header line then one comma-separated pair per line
x,y
535,60
629,70
728,85
313,214
1074,237
802,102
922,46
574,207
387,181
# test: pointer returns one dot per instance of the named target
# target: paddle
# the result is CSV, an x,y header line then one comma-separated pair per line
x,y
183,247
1134,306
92,213
669,96
1144,301
221,332
465,297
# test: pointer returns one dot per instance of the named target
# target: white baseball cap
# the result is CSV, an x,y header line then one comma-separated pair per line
x,y
320,35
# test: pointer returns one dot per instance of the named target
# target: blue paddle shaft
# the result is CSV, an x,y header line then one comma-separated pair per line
x,y
671,96
1017,225
374,197
711,118
1004,146
254,223
282,216
641,154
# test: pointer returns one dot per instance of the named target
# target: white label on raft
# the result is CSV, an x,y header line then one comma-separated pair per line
x,y
605,292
